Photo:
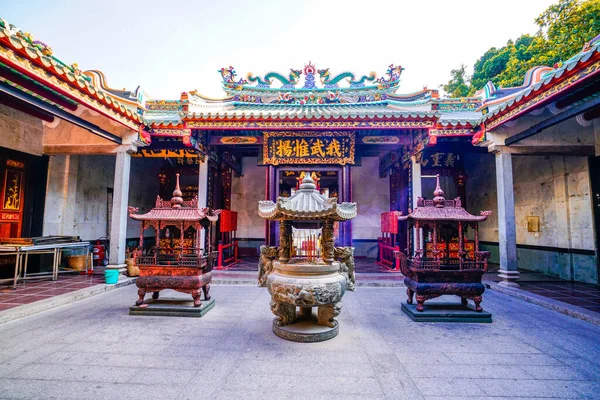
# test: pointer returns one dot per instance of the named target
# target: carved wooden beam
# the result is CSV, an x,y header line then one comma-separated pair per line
x,y
232,163
387,162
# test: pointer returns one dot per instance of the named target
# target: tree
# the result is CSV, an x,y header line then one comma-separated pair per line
x,y
458,86
568,25
564,29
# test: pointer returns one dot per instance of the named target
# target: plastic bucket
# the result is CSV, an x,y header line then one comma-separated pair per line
x,y
111,276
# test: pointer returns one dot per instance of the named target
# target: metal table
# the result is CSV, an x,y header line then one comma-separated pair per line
x,y
55,249
7,250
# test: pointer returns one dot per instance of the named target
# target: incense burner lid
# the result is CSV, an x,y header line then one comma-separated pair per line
x,y
307,203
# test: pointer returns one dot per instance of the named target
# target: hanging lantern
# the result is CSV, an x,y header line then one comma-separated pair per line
x,y
162,178
460,179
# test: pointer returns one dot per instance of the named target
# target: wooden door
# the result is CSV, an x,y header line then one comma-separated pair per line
x,y
12,195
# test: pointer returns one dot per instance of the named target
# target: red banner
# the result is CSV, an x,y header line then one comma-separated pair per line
x,y
389,222
228,221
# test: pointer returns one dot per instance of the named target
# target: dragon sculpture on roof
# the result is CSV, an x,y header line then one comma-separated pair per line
x,y
392,77
318,86
330,83
228,75
287,83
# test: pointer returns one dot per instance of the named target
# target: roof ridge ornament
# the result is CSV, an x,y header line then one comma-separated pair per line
x,y
177,200
345,87
438,200
307,184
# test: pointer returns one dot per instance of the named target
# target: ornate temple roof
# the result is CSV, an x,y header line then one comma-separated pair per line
x,y
308,97
371,110
541,85
307,203
440,209
35,61
313,94
176,209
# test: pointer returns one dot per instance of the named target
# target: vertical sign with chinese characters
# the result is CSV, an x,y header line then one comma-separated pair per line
x,y
308,148
12,173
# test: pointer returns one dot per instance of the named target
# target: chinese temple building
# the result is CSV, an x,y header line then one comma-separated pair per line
x,y
528,153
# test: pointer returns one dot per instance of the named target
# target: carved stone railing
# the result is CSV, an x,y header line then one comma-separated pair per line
x,y
447,203
426,264
189,257
440,264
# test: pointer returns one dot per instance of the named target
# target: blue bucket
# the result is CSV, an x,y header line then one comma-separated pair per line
x,y
111,276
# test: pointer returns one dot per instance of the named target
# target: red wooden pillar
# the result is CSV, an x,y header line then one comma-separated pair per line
x,y
461,249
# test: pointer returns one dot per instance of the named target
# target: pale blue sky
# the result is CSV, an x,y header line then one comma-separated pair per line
x,y
172,46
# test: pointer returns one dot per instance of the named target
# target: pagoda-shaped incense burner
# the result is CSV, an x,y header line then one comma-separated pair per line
x,y
304,273
437,260
177,261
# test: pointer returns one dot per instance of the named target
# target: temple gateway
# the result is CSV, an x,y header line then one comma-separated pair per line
x,y
76,153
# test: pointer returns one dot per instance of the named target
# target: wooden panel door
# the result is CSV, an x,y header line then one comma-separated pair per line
x,y
12,196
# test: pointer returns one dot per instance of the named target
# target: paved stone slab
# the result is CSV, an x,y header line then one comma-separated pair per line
x,y
446,312
57,301
172,307
94,349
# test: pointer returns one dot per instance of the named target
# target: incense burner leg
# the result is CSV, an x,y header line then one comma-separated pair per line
x,y
196,296
285,313
478,300
410,295
141,294
155,295
306,311
206,290
420,302
326,314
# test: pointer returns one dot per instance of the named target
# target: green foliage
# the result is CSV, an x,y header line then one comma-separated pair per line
x,y
458,86
564,29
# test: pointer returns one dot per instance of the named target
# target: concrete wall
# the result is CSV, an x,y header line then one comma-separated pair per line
x,y
481,192
372,196
96,175
246,191
143,189
20,131
77,194
555,188
61,194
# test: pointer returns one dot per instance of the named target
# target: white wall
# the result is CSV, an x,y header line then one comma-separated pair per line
x,y
245,194
372,196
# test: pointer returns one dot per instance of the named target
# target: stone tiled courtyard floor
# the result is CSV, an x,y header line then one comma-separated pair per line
x,y
578,294
93,349
35,290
